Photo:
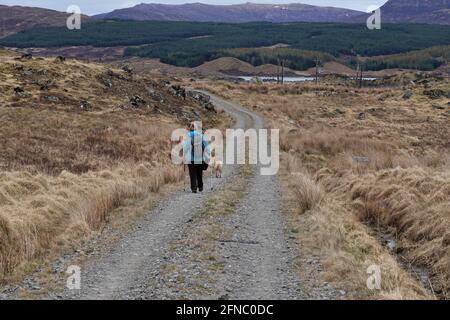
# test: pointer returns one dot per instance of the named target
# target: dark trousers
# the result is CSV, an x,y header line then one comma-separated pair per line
x,y
196,175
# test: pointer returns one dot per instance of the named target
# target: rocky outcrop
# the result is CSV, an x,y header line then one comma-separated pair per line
x,y
203,99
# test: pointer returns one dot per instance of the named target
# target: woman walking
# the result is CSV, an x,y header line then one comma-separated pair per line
x,y
195,150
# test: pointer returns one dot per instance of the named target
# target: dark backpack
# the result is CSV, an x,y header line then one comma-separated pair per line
x,y
204,164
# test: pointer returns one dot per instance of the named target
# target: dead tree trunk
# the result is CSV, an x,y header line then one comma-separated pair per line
x,y
317,70
361,78
357,74
278,72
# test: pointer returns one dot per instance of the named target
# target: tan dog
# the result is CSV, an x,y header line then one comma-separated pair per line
x,y
217,166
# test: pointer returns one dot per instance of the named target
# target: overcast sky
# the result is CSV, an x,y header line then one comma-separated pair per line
x,y
101,6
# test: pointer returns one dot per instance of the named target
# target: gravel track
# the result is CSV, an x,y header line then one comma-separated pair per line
x,y
258,260
261,259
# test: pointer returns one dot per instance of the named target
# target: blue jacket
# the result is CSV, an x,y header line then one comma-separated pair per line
x,y
197,140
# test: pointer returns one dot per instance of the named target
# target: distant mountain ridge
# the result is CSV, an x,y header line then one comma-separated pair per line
x,y
14,19
413,11
247,12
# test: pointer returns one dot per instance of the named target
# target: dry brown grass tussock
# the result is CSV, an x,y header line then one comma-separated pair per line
x,y
309,194
377,157
39,212
414,204
79,140
346,244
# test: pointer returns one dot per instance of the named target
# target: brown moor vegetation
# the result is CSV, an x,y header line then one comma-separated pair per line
x,y
78,140
367,175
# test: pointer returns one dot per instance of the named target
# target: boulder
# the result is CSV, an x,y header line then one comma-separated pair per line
x,y
136,101
438,107
106,82
434,93
198,96
155,95
19,91
127,69
60,59
53,99
177,91
362,116
164,82
26,56
85,105
116,75
407,95
44,84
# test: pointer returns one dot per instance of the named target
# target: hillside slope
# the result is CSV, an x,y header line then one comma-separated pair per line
x,y
423,11
247,12
14,19
78,141
235,67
